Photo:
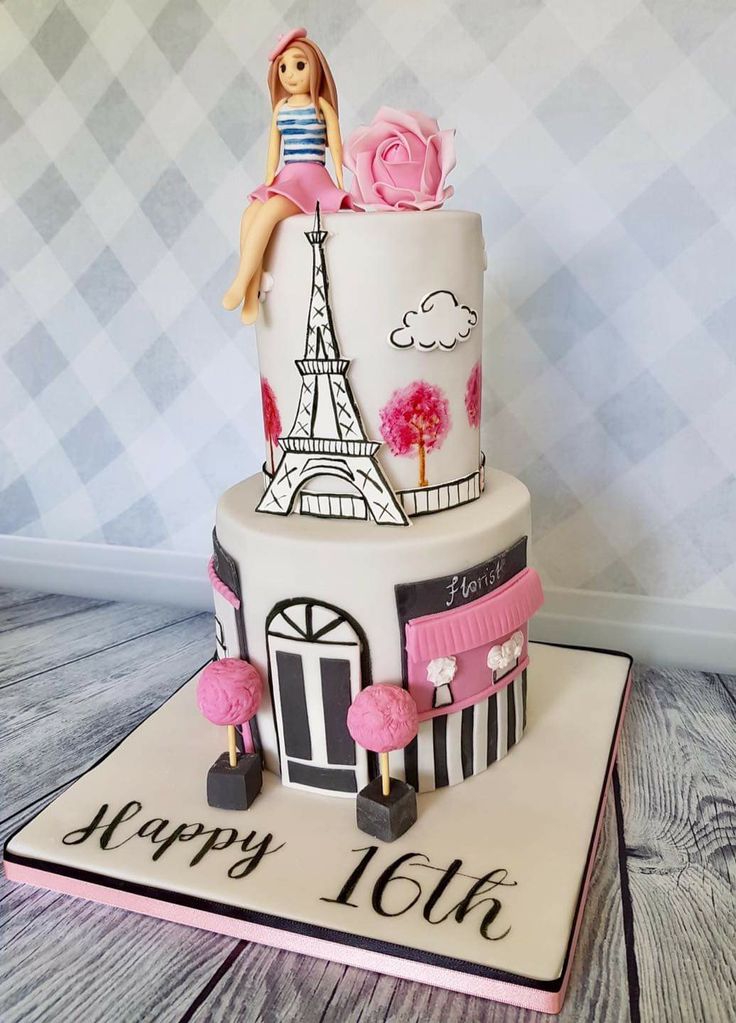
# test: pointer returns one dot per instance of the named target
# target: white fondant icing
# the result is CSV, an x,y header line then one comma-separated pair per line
x,y
415,501
327,439
480,736
502,706
454,758
226,629
518,690
496,820
440,323
355,567
425,757
379,264
265,286
442,695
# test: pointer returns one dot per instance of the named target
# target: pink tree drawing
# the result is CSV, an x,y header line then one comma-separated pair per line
x,y
271,418
473,395
415,421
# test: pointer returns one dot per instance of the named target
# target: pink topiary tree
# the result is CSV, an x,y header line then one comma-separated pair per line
x,y
228,693
382,718
473,390
271,418
416,420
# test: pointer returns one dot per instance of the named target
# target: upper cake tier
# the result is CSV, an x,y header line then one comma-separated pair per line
x,y
369,344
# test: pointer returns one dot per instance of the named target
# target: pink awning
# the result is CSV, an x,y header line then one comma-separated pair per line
x,y
483,621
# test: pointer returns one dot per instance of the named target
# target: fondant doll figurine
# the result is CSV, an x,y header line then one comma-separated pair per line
x,y
304,103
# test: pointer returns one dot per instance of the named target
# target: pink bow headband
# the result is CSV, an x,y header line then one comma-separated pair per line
x,y
285,41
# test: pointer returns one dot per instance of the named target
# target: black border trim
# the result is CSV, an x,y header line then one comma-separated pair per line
x,y
341,937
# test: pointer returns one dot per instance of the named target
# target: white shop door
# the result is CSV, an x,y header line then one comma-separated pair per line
x,y
315,661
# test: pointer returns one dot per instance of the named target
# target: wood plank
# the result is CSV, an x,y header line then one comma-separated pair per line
x,y
66,959
133,966
20,607
252,981
598,985
80,710
679,796
679,829
76,632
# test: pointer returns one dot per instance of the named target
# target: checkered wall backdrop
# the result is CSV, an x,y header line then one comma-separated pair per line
x,y
598,139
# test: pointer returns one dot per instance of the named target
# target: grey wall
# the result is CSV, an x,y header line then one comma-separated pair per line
x,y
599,141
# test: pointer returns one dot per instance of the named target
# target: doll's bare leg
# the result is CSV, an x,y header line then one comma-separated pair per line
x,y
246,220
250,305
234,294
276,209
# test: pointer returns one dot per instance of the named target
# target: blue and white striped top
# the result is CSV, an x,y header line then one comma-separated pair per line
x,y
304,135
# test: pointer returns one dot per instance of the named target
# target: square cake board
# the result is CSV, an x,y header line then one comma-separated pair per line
x,y
483,895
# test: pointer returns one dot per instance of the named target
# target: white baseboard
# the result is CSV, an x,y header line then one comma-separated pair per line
x,y
105,572
653,630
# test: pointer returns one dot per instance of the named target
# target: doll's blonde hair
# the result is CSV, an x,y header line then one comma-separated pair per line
x,y
321,82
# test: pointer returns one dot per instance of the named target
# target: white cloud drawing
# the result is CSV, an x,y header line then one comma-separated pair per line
x,y
440,322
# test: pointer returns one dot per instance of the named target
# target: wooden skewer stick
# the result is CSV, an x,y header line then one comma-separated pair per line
x,y
385,779
232,746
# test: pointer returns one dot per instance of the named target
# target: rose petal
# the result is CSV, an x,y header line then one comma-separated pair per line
x,y
416,145
391,196
355,193
393,149
368,138
402,157
405,199
391,152
447,151
419,204
431,178
400,161
364,175
403,175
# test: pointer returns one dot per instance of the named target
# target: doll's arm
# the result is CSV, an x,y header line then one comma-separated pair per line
x,y
334,141
274,147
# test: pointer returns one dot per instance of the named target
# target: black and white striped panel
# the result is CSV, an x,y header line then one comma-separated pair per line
x,y
452,747
333,506
426,500
416,501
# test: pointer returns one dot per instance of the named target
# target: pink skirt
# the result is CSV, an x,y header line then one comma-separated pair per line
x,y
306,184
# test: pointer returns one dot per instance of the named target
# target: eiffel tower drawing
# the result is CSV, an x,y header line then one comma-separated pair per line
x,y
327,437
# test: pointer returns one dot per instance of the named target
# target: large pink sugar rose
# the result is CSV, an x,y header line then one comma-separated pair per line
x,y
400,162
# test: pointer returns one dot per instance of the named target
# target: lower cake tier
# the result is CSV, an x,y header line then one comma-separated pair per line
x,y
323,609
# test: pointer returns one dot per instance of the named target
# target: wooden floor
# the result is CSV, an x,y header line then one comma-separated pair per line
x,y
659,935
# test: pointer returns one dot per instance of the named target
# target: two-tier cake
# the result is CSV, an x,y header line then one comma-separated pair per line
x,y
372,595
376,546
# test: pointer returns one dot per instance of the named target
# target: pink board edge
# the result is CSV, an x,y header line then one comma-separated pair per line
x,y
519,995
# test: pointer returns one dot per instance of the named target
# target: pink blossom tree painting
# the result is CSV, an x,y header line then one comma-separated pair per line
x,y
473,396
415,421
271,419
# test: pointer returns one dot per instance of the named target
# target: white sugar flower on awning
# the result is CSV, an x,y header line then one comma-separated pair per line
x,y
441,671
502,656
